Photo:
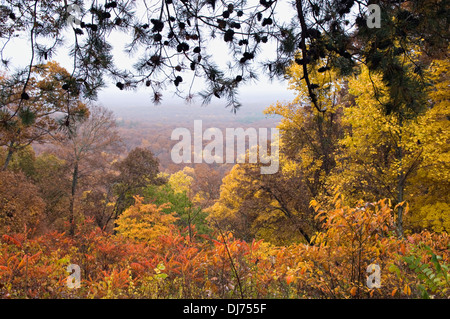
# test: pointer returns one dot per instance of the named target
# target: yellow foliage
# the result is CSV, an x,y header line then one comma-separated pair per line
x,y
228,204
380,148
144,222
308,137
436,216
181,181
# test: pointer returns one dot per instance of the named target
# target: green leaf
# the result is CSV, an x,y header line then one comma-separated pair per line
x,y
161,276
161,266
423,292
394,268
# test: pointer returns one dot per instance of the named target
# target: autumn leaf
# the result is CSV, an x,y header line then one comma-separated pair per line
x,y
394,291
402,249
407,290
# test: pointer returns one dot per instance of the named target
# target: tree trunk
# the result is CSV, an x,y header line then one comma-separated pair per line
x,y
304,49
400,183
72,199
305,235
400,189
8,156
189,224
189,214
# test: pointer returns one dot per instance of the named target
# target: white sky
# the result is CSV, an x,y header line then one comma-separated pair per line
x,y
263,91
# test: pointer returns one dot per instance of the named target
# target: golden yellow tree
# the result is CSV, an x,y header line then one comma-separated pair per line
x,y
144,222
276,207
181,181
225,213
401,158
431,201
309,137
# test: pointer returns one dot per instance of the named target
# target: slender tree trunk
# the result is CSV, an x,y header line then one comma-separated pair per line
x,y
9,155
116,211
400,190
304,49
305,235
189,213
189,224
400,183
72,199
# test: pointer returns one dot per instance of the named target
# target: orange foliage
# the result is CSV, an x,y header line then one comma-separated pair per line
x,y
177,266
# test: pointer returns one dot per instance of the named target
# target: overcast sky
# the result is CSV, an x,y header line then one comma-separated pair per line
x,y
262,92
